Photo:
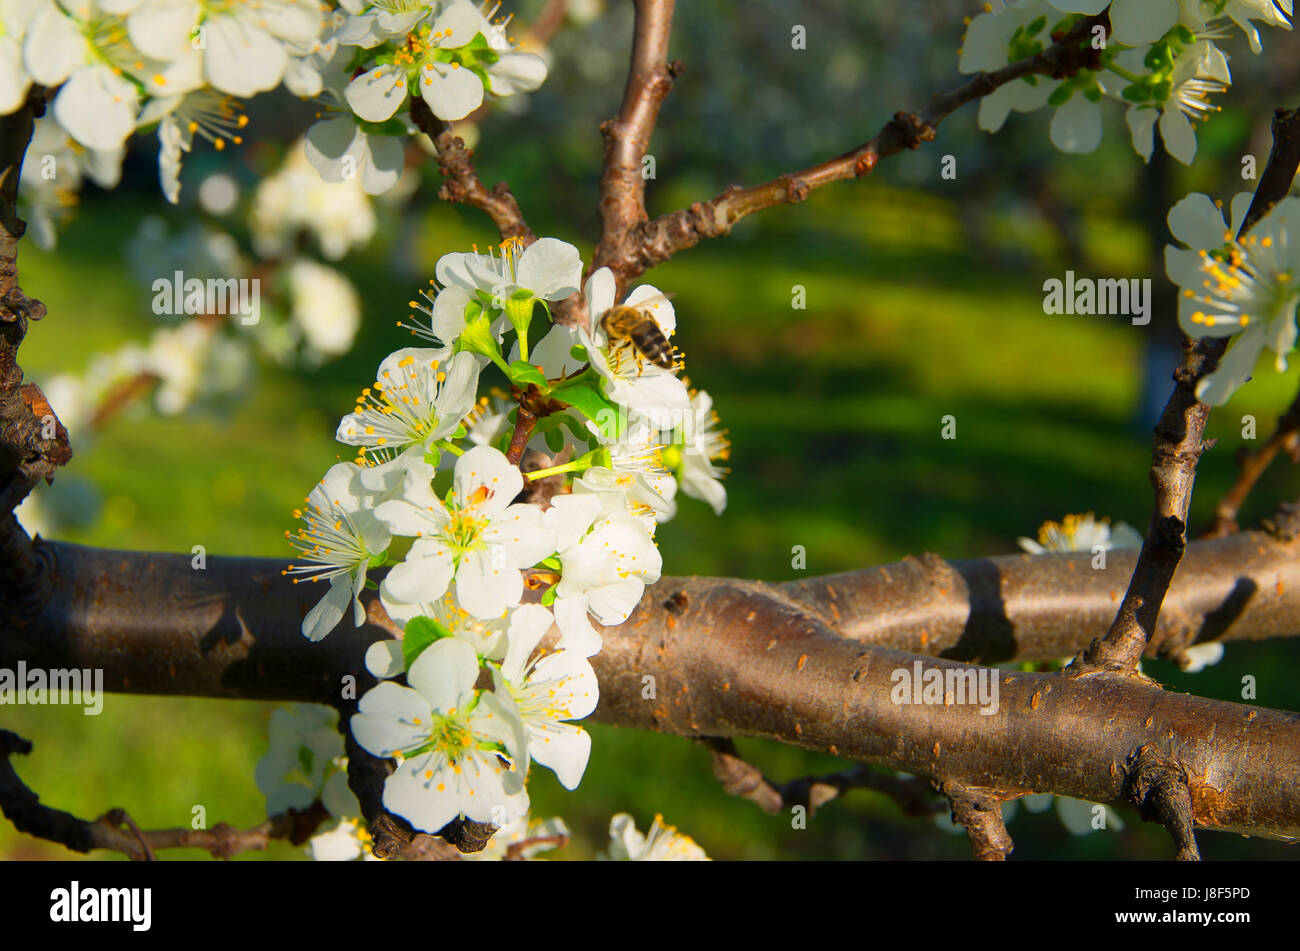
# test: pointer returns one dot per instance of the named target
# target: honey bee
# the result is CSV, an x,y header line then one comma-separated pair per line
x,y
633,326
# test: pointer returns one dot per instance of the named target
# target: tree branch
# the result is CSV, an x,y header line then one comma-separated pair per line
x,y
1179,444
1252,464
26,454
627,137
728,659
656,241
23,808
743,779
979,812
462,184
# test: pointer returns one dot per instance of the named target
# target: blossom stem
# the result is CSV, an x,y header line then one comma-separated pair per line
x,y
524,423
1126,74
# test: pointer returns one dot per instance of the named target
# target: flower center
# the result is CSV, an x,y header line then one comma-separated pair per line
x,y
1245,282
463,531
330,544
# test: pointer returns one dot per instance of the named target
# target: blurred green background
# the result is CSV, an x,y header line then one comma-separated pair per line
x,y
924,298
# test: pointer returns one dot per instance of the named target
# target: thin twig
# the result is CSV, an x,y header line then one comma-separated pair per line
x,y
627,136
1158,786
1179,443
462,184
23,808
546,23
979,812
1252,464
656,241
743,779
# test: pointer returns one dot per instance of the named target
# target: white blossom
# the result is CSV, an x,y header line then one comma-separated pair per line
x,y
1082,533
1248,289
326,307
340,538
662,843
606,562
546,690
452,742
419,397
648,389
478,537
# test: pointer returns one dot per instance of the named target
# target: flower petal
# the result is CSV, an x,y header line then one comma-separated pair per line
x,y
375,96
444,674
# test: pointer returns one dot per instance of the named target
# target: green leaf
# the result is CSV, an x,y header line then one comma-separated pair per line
x,y
1136,93
420,633
551,562
589,400
1036,25
554,440
522,372
549,597
1061,95
580,432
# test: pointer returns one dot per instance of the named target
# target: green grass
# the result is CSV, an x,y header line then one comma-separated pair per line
x,y
834,411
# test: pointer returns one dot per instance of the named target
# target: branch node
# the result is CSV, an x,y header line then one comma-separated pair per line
x,y
1157,786
979,811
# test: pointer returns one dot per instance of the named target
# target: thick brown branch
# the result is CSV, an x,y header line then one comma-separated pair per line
x,y
33,444
1042,607
1179,442
462,184
727,658
656,241
627,137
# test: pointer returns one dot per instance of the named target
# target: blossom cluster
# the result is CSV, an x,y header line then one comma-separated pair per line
x,y
183,68
1233,285
484,556
1160,59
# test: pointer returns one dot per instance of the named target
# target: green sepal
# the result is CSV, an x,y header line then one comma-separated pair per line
x,y
519,311
1060,95
522,372
548,597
